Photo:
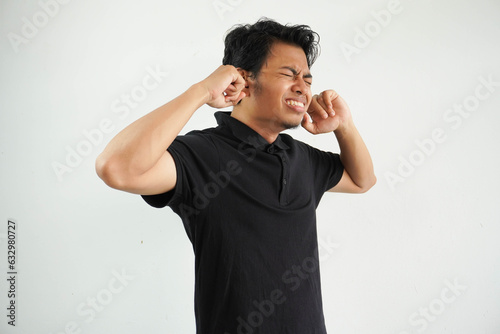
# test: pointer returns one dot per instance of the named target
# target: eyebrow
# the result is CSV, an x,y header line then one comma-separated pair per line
x,y
294,71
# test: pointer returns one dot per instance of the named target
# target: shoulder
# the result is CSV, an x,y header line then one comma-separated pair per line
x,y
197,135
196,139
303,150
297,145
197,145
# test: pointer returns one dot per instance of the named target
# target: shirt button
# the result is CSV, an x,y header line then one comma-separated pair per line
x,y
270,150
284,181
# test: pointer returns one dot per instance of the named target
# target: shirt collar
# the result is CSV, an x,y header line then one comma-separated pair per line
x,y
246,134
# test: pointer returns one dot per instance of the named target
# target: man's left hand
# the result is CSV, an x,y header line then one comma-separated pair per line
x,y
328,112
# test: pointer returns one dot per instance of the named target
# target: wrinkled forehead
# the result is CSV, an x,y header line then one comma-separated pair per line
x,y
287,55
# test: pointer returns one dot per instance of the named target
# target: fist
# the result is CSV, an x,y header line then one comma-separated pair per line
x,y
326,113
224,86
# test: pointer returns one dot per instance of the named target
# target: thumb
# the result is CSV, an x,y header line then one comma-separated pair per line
x,y
308,124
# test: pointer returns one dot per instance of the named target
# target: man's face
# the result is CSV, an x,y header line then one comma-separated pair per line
x,y
282,90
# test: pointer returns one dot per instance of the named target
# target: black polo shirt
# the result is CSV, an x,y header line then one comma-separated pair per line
x,y
248,208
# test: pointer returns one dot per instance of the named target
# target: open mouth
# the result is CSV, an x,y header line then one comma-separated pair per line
x,y
295,103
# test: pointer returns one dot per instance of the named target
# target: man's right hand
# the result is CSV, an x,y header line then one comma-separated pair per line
x,y
225,87
136,160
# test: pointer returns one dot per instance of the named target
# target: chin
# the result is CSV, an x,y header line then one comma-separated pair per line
x,y
289,126
285,123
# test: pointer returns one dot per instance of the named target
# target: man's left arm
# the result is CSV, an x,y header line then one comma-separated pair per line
x,y
329,112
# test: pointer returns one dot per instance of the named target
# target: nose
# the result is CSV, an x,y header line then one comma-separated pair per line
x,y
300,87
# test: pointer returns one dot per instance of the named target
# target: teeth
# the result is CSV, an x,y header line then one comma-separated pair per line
x,y
295,103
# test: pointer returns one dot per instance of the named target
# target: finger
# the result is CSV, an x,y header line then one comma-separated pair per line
x,y
322,103
317,109
238,98
238,80
232,91
231,88
235,98
241,96
308,124
326,102
335,99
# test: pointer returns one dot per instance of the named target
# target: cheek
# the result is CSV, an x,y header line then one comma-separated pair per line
x,y
273,95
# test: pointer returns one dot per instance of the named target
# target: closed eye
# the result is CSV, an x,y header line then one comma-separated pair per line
x,y
293,76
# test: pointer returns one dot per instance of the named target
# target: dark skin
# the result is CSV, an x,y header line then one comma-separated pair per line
x,y
280,97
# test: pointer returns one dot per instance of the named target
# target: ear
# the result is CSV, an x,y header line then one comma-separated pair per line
x,y
247,76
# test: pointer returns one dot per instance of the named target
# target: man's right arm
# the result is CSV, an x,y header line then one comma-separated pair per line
x,y
136,159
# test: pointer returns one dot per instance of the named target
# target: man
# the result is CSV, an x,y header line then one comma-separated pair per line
x,y
246,193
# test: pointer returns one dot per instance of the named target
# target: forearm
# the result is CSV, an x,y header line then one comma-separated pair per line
x,y
355,156
140,145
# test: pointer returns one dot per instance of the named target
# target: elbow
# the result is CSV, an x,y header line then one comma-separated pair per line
x,y
362,185
108,170
370,182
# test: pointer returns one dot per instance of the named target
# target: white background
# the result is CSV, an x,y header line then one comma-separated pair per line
x,y
392,252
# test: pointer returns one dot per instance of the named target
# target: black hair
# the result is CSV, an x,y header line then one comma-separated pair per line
x,y
247,46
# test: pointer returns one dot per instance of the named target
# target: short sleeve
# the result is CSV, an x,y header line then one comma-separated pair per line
x,y
194,156
327,169
335,169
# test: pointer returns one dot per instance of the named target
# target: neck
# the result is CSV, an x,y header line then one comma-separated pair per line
x,y
262,127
